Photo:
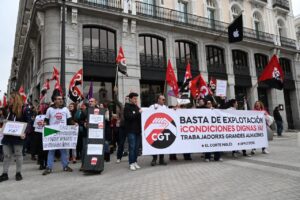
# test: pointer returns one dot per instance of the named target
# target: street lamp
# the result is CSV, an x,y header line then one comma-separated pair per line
x,y
63,54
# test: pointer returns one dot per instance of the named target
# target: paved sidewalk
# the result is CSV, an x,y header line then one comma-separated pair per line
x,y
273,176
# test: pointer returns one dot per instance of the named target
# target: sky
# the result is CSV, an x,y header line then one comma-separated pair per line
x,y
8,19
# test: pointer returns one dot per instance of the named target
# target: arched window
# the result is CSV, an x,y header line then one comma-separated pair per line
x,y
286,67
212,12
235,10
152,51
281,28
99,45
261,61
257,22
240,62
186,52
215,59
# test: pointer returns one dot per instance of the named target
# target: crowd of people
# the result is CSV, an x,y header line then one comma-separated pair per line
x,y
122,130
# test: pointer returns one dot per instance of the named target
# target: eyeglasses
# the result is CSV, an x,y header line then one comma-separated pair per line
x,y
59,99
163,99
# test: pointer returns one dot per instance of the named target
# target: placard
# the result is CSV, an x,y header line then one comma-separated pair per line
x,y
60,137
95,133
14,128
221,89
94,149
96,119
171,131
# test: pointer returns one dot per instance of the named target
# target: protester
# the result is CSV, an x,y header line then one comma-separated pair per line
x,y
57,115
232,104
2,119
72,152
38,129
13,144
132,116
82,108
160,105
278,121
217,155
29,115
259,106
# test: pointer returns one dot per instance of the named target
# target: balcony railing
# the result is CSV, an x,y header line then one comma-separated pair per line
x,y
284,4
106,4
287,42
241,70
181,65
150,61
97,55
216,68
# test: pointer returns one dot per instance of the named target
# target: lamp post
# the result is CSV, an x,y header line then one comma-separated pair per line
x,y
63,53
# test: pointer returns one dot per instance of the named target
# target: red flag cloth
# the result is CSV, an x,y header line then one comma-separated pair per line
x,y
199,87
171,79
22,93
4,101
0,103
55,74
74,92
212,83
121,62
273,74
45,88
58,87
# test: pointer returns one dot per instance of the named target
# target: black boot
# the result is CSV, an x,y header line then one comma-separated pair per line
x,y
107,157
3,177
153,162
18,176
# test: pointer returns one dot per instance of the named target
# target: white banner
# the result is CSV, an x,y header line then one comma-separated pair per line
x,y
221,89
171,131
14,128
60,137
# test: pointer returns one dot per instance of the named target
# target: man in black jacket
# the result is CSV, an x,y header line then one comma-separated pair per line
x,y
278,120
132,117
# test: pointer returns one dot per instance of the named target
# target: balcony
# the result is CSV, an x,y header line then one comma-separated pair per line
x,y
104,4
287,42
99,56
152,62
216,68
241,70
260,2
281,5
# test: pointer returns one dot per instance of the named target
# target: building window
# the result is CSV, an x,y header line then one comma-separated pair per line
x,y
211,12
186,52
99,45
281,28
215,58
240,62
286,67
152,51
235,10
183,9
261,61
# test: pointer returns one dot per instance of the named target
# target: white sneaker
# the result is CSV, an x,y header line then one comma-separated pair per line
x,y
118,161
132,167
265,151
207,160
136,165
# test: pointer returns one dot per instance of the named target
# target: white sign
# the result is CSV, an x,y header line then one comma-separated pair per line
x,y
60,137
95,133
221,88
94,149
96,119
39,123
171,131
14,128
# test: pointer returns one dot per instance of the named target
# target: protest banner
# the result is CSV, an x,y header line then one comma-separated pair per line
x,y
14,128
171,131
221,89
60,137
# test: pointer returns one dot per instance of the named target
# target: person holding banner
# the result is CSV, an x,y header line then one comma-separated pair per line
x,y
132,116
259,106
13,144
158,106
57,115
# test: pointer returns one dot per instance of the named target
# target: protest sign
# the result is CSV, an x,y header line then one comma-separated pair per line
x,y
60,137
171,131
39,123
221,88
14,128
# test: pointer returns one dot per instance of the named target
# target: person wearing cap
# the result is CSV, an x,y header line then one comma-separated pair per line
x,y
132,117
57,115
158,106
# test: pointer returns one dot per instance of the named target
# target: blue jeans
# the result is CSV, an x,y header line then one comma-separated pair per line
x,y
133,143
279,127
63,158
121,142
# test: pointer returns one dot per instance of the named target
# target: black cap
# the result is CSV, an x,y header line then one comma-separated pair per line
x,y
132,94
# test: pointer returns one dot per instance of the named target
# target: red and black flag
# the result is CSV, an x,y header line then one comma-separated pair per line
x,y
55,74
199,87
171,80
272,75
45,88
185,88
74,92
213,83
121,62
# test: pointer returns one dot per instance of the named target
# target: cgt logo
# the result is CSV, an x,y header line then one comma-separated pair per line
x,y
160,130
